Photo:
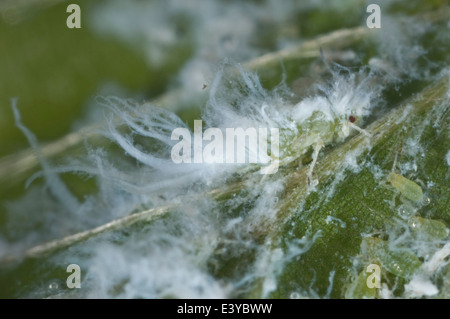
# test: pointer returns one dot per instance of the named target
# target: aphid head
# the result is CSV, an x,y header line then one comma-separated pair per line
x,y
351,117
344,116
344,123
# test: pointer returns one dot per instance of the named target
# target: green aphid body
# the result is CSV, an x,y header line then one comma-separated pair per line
x,y
359,289
428,229
406,187
402,263
316,128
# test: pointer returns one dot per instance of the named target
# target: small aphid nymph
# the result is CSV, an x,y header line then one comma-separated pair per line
x,y
406,187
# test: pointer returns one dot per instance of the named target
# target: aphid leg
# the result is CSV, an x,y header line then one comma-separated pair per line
x,y
315,155
397,152
420,182
356,127
395,162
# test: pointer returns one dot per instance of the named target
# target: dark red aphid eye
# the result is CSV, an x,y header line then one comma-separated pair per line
x,y
352,119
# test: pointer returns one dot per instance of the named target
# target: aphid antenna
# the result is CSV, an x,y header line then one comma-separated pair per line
x,y
398,151
395,161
